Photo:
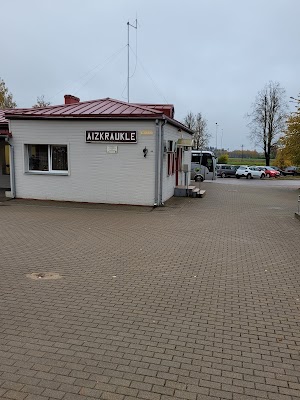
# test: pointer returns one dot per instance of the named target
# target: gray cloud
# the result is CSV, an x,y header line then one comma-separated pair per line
x,y
210,56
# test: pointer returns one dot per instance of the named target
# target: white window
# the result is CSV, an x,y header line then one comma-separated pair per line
x,y
47,158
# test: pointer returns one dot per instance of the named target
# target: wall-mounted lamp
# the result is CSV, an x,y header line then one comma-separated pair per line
x,y
145,151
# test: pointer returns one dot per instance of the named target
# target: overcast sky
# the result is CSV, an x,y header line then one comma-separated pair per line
x,y
208,56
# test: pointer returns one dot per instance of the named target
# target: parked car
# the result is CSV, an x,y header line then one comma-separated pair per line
x,y
291,171
278,169
269,171
249,172
272,169
224,170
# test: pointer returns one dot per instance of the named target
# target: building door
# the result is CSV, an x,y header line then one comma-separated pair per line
x,y
4,165
178,164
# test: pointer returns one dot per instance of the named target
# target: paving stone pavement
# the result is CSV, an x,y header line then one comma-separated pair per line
x,y
198,300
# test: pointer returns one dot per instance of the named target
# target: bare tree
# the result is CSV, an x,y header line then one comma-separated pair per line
x,y
198,125
6,98
267,118
41,102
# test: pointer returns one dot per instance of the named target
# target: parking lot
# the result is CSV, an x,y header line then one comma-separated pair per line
x,y
197,300
267,182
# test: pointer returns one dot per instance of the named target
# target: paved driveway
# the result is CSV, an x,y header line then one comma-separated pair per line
x,y
267,182
198,300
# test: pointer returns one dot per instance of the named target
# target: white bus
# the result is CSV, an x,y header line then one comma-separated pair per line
x,y
204,165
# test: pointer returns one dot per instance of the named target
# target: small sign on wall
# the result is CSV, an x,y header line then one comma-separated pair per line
x,y
112,149
146,132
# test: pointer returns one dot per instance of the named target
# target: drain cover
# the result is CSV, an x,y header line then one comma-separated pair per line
x,y
43,275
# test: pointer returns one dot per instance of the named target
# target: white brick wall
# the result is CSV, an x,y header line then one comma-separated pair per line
x,y
169,182
94,176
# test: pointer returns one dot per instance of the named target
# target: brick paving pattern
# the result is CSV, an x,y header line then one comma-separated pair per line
x,y
198,300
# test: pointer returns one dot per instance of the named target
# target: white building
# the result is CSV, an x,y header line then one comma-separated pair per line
x,y
101,151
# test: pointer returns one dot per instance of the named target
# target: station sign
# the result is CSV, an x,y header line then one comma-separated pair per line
x,y
110,136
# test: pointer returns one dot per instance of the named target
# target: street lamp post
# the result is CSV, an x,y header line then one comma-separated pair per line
x,y
222,141
216,137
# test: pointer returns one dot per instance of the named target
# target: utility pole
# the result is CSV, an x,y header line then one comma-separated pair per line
x,y
222,140
242,151
128,27
216,137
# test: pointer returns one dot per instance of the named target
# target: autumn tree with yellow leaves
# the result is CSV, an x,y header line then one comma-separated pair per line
x,y
289,153
6,98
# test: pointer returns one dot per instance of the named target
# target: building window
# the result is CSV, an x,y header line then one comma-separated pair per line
x,y
59,158
47,158
171,164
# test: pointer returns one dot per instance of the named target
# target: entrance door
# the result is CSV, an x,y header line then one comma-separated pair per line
x,y
4,165
178,163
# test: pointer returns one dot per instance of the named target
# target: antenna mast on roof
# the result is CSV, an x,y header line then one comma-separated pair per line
x,y
135,27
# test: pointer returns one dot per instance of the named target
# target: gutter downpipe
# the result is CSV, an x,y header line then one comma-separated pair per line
x,y
161,126
157,141
12,171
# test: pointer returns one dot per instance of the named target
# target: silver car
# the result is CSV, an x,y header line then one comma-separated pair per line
x,y
249,172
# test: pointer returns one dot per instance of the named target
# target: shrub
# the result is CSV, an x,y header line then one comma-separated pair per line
x,y
223,159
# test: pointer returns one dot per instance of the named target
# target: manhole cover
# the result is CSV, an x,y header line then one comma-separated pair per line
x,y
43,275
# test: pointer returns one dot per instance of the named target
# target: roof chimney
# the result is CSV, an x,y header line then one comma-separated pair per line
x,y
69,99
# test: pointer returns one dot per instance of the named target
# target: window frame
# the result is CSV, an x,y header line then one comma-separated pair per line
x,y
171,164
50,171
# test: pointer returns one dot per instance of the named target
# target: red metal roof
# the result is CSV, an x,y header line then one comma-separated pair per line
x,y
95,108
102,108
3,124
167,109
3,120
4,132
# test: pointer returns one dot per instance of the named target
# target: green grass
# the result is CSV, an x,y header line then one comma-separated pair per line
x,y
247,161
